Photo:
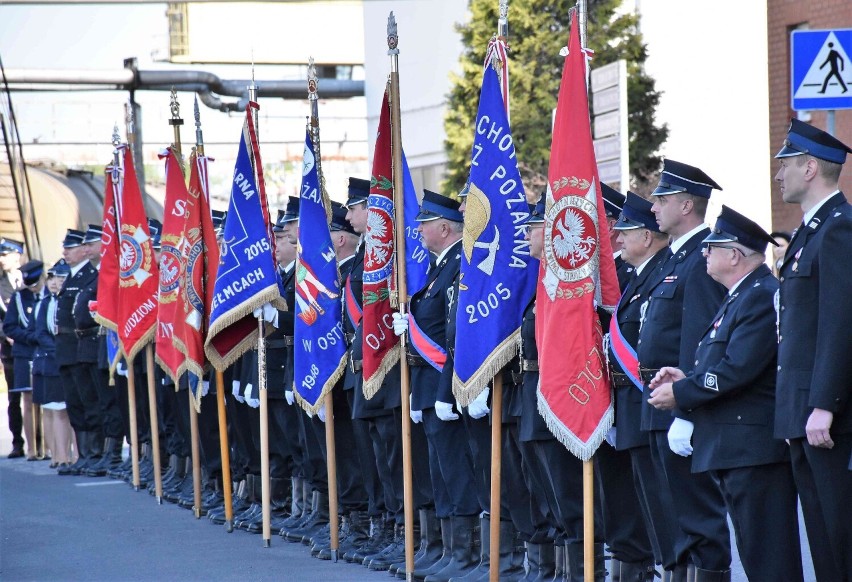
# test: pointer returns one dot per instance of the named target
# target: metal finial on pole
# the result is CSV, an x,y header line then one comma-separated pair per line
x,y
393,38
252,91
116,141
503,20
199,137
176,122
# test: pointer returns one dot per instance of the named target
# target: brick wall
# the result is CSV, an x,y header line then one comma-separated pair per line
x,y
783,16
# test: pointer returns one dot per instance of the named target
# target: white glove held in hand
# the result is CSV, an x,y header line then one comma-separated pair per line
x,y
205,388
321,412
479,407
444,410
416,415
680,435
291,398
235,390
253,402
268,313
610,436
400,323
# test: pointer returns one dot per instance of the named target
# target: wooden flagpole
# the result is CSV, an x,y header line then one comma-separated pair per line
x,y
331,450
402,291
155,424
134,430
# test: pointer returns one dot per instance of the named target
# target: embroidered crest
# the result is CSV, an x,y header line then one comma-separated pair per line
x,y
135,256
710,382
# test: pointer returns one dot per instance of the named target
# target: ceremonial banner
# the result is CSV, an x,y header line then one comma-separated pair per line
x,y
380,345
320,349
247,277
171,266
577,275
106,312
498,276
200,259
138,274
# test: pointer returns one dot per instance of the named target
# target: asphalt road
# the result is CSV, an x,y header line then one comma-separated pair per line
x,y
82,528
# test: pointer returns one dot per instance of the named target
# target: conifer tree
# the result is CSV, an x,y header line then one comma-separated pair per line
x,y
537,30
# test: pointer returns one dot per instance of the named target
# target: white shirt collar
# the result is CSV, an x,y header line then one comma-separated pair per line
x,y
675,246
76,269
445,252
290,266
737,284
641,267
812,212
343,260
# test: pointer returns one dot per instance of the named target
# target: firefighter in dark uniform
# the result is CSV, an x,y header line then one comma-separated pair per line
x,y
90,343
730,397
624,527
16,323
81,396
10,280
375,431
680,304
643,248
453,480
813,409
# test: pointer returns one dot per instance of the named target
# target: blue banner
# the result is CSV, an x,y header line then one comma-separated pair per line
x,y
498,275
416,255
247,276
319,346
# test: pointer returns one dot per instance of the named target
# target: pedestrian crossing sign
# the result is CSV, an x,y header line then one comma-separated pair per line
x,y
820,69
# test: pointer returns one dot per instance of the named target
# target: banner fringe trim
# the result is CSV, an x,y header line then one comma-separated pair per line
x,y
467,392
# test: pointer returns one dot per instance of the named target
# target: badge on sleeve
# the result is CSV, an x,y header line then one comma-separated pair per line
x,y
710,382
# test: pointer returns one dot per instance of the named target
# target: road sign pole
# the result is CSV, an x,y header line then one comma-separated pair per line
x,y
829,121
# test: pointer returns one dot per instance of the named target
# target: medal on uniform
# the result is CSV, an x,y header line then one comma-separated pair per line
x,y
716,326
796,262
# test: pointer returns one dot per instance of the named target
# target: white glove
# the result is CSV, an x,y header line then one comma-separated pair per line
x,y
444,410
291,398
416,415
400,323
253,402
610,436
121,369
680,433
268,313
321,413
235,390
479,407
205,388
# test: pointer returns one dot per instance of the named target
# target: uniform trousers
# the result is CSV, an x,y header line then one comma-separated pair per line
x,y
542,515
73,404
174,440
763,507
624,525
824,484
16,419
699,505
107,402
208,435
316,471
368,460
450,466
657,508
562,474
86,385
246,459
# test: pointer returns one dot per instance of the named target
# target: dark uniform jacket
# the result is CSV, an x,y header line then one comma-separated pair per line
x,y
531,425
6,290
682,300
88,340
629,400
66,338
19,316
815,323
430,309
730,396
44,358
279,355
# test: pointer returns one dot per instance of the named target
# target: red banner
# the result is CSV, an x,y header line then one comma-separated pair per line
x,y
138,273
380,345
107,307
171,265
200,259
577,275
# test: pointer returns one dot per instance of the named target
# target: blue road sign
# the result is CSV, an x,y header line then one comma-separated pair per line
x,y
821,70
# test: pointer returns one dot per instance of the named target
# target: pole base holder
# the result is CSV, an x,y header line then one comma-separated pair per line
x,y
334,555
159,500
267,543
196,512
137,488
229,526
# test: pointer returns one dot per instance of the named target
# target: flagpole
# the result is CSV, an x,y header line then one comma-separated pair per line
x,y
134,429
399,267
265,494
224,449
155,425
331,450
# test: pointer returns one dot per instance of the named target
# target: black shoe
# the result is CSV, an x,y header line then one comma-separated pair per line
x,y
16,453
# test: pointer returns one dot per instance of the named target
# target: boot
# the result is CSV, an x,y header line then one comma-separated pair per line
x,y
317,520
482,569
254,513
680,573
300,505
110,459
446,552
712,575
559,561
614,569
637,571
239,503
542,566
96,448
126,465
278,502
357,534
381,532
81,464
394,552
430,544
511,569
463,560
574,552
